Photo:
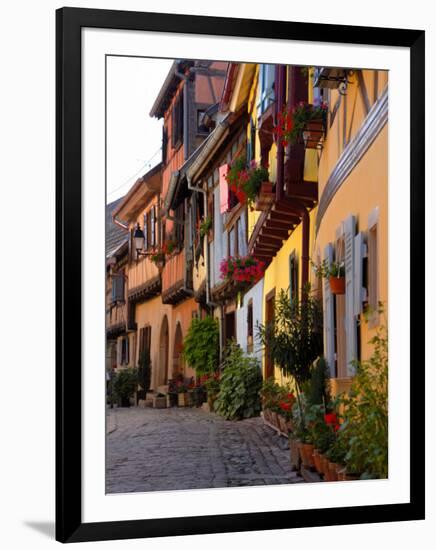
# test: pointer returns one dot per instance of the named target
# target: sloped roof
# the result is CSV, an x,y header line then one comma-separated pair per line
x,y
115,235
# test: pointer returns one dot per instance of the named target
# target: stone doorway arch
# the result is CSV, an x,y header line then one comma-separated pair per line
x,y
164,343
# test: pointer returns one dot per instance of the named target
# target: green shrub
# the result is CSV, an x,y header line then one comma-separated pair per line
x,y
125,384
240,386
201,345
366,413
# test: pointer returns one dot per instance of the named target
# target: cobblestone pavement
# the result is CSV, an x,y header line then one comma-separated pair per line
x,y
168,449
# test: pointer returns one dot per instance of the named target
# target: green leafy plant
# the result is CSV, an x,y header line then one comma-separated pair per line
x,y
125,383
291,124
325,270
245,179
205,226
365,424
201,345
318,388
294,339
144,369
240,385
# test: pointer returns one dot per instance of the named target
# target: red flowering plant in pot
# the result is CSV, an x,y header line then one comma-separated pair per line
x,y
304,123
246,179
244,270
162,253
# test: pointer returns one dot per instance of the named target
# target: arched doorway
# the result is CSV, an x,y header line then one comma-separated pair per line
x,y
164,343
178,366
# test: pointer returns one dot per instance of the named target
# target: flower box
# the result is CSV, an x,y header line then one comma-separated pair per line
x,y
337,285
265,196
313,133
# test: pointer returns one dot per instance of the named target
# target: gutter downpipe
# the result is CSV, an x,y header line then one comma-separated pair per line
x,y
205,243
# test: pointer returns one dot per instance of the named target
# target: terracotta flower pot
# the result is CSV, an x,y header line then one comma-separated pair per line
x,y
294,451
324,464
333,471
337,285
282,424
307,451
317,461
341,473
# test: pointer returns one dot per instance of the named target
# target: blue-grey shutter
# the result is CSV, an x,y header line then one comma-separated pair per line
x,y
359,291
329,320
350,319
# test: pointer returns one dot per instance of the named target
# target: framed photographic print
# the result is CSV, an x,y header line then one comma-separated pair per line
x,y
239,326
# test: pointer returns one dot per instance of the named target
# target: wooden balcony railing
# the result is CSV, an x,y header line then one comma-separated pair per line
x,y
277,221
144,281
175,283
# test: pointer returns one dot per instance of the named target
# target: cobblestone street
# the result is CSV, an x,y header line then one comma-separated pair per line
x,y
167,449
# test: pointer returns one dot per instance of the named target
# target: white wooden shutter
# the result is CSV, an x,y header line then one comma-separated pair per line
x,y
242,237
359,291
350,320
329,321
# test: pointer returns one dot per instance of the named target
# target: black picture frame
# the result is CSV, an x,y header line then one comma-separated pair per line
x,y
69,526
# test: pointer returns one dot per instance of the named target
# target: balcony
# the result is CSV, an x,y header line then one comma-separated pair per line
x,y
144,281
176,279
283,214
116,315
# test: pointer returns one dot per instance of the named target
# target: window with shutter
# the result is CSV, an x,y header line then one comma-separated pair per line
x,y
250,326
266,86
373,266
118,287
328,310
153,227
350,319
164,144
146,231
359,290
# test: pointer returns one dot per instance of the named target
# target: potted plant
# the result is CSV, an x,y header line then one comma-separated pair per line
x,y
305,123
212,386
124,385
247,180
205,226
334,272
183,398
243,271
201,345
159,401
365,412
240,385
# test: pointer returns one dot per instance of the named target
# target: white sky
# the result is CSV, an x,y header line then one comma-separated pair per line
x,y
133,137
